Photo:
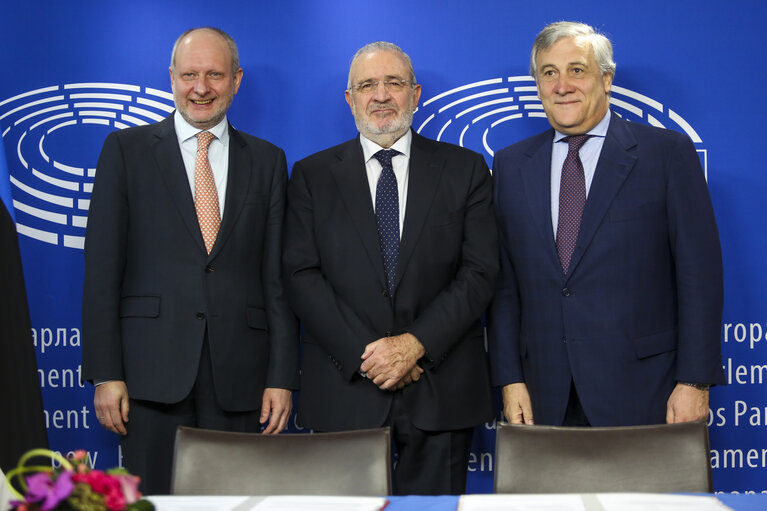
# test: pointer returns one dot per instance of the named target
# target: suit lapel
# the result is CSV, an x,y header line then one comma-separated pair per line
x,y
536,179
351,179
425,172
613,167
170,164
238,183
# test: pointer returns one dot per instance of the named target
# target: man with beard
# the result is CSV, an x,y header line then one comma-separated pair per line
x,y
390,258
184,322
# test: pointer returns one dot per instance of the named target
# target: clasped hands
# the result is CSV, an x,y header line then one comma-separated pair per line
x,y
392,362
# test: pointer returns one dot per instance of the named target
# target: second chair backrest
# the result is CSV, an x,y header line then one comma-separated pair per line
x,y
210,462
657,458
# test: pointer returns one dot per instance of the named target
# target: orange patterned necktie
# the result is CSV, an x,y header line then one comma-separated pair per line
x,y
205,194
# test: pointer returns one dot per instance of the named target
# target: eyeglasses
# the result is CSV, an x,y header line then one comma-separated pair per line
x,y
392,85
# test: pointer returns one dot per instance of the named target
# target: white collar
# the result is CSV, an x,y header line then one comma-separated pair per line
x,y
370,148
185,131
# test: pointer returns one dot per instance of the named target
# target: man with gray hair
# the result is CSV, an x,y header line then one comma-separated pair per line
x,y
609,299
390,257
184,319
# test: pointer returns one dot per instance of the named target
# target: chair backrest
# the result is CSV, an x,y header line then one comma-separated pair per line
x,y
548,459
210,462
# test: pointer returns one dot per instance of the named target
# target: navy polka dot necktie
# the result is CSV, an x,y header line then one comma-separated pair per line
x,y
387,215
572,199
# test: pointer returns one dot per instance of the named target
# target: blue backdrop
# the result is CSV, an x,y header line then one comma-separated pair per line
x,y
74,71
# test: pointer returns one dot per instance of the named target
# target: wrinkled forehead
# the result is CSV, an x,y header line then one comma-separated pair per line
x,y
379,64
576,47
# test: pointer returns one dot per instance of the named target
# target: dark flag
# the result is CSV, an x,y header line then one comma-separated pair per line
x,y
22,425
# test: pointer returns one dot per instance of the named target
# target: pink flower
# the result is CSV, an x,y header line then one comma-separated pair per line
x,y
114,501
100,482
49,492
79,455
129,486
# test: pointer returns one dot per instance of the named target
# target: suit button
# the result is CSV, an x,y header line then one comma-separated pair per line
x,y
385,293
566,291
209,269
200,315
387,333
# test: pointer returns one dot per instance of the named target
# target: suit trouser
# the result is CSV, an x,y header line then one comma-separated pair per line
x,y
574,414
148,447
428,462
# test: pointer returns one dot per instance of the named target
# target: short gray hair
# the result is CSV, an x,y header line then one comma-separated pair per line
x,y
553,32
226,37
381,46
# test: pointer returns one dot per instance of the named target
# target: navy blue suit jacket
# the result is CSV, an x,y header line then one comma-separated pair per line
x,y
640,308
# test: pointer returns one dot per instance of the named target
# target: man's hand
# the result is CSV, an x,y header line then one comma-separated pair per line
x,y
388,360
517,407
111,403
275,403
412,377
686,404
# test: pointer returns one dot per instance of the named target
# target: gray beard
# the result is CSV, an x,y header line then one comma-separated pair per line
x,y
386,136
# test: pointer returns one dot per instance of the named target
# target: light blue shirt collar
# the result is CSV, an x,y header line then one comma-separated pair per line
x,y
600,130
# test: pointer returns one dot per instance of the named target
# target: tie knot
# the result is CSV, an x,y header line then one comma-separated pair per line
x,y
384,157
204,138
575,142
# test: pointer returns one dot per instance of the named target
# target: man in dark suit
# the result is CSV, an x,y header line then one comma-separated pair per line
x,y
609,299
390,259
184,320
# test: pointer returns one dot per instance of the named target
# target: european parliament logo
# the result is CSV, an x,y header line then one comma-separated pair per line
x,y
491,114
53,138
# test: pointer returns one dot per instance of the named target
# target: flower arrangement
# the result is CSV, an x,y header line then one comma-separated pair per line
x,y
74,486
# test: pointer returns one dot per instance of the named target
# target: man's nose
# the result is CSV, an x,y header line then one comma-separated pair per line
x,y
201,86
381,93
563,85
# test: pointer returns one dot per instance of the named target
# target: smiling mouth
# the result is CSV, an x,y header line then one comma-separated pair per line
x,y
202,101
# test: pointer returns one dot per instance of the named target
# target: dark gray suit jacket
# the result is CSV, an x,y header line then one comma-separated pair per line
x,y
151,290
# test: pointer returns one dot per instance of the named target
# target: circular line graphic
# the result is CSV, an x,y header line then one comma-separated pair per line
x,y
467,115
51,194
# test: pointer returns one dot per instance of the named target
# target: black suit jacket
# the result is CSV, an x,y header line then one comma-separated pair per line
x,y
335,282
151,290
